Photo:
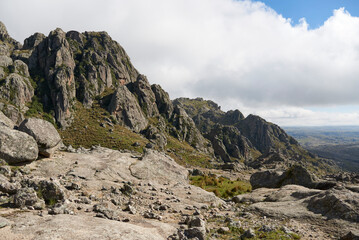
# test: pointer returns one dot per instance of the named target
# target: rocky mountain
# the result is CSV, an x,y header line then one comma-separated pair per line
x,y
250,139
89,149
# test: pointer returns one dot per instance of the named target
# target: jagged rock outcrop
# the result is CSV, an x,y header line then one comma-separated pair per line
x,y
147,99
55,60
12,112
17,89
228,142
15,83
128,112
218,126
185,130
263,135
7,44
101,63
45,134
163,101
16,146
157,134
4,120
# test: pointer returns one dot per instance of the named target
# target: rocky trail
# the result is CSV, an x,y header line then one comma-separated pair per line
x,y
107,194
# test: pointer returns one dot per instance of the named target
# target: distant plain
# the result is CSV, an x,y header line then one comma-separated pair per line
x,y
340,143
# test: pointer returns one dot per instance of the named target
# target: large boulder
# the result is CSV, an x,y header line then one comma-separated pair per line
x,y
6,186
6,121
27,197
45,134
336,203
266,179
16,146
294,175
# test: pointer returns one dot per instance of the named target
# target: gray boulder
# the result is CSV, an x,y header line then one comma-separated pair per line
x,y
12,112
7,187
352,235
3,222
6,121
336,203
266,179
296,174
45,134
49,190
27,197
16,146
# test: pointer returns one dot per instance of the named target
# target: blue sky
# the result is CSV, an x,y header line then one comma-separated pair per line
x,y
314,11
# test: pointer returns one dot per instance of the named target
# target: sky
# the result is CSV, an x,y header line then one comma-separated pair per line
x,y
294,63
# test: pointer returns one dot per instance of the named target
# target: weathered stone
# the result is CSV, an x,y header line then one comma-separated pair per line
x,y
335,203
26,197
248,234
16,146
127,110
5,170
352,235
4,222
186,130
268,179
50,190
294,175
45,134
7,187
17,89
163,101
195,232
5,61
6,121
12,112
105,211
146,97
228,142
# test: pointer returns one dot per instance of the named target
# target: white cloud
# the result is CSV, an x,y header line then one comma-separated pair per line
x,y
295,116
239,53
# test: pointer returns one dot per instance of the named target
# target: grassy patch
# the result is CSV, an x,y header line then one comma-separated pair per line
x,y
36,109
86,131
275,234
186,155
220,186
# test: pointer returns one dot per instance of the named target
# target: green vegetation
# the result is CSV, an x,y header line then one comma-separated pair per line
x,y
186,155
220,186
36,109
86,131
50,202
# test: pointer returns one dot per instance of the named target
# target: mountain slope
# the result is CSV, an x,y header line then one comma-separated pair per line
x,y
62,76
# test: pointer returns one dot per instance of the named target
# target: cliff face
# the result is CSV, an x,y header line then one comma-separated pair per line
x,y
235,137
50,75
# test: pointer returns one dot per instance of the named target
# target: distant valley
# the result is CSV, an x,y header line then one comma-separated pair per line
x,y
340,143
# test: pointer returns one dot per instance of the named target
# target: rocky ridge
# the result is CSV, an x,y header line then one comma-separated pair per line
x,y
144,193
